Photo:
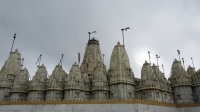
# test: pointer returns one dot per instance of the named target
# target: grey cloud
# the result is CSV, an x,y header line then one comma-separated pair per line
x,y
52,27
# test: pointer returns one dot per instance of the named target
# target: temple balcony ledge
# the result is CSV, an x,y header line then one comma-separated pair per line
x,y
122,81
154,88
175,85
48,89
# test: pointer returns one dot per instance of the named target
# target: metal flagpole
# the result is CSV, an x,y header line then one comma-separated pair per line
x,y
157,58
179,55
78,58
89,35
103,58
192,62
163,69
123,35
183,63
13,41
61,59
22,61
149,57
40,59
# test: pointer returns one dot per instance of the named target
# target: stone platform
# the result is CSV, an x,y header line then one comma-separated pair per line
x,y
88,108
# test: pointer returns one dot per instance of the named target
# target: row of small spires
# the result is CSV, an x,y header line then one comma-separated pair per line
x,y
39,59
162,64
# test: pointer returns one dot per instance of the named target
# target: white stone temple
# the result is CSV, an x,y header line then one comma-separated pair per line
x,y
92,81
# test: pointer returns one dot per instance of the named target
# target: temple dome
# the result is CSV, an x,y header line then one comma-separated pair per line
x,y
191,71
147,71
91,57
21,81
119,57
56,80
75,73
177,69
39,78
12,64
178,74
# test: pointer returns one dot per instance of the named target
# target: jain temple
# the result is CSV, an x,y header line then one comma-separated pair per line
x,y
93,87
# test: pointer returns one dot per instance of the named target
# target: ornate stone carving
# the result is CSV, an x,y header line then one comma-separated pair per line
x,y
93,81
120,75
153,85
75,85
91,58
20,86
55,84
181,83
9,71
100,86
37,85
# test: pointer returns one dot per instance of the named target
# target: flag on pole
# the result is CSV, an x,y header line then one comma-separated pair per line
x,y
94,32
78,57
127,28
14,35
61,58
178,51
39,58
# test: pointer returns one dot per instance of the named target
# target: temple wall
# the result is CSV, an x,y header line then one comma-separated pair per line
x,y
198,92
74,94
100,94
17,96
118,91
4,92
35,95
183,94
54,95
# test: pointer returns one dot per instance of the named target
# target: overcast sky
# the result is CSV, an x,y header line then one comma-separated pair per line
x,y
55,27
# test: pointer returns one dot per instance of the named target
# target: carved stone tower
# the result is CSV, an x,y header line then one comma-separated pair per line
x,y
181,84
91,58
191,71
37,85
9,71
55,84
75,85
20,86
163,88
120,75
90,64
153,85
100,88
196,83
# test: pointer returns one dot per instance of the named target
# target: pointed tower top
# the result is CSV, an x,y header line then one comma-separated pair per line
x,y
119,57
191,71
93,41
16,50
118,43
13,64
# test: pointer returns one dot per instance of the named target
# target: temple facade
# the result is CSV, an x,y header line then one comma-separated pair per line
x,y
181,83
153,85
91,80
